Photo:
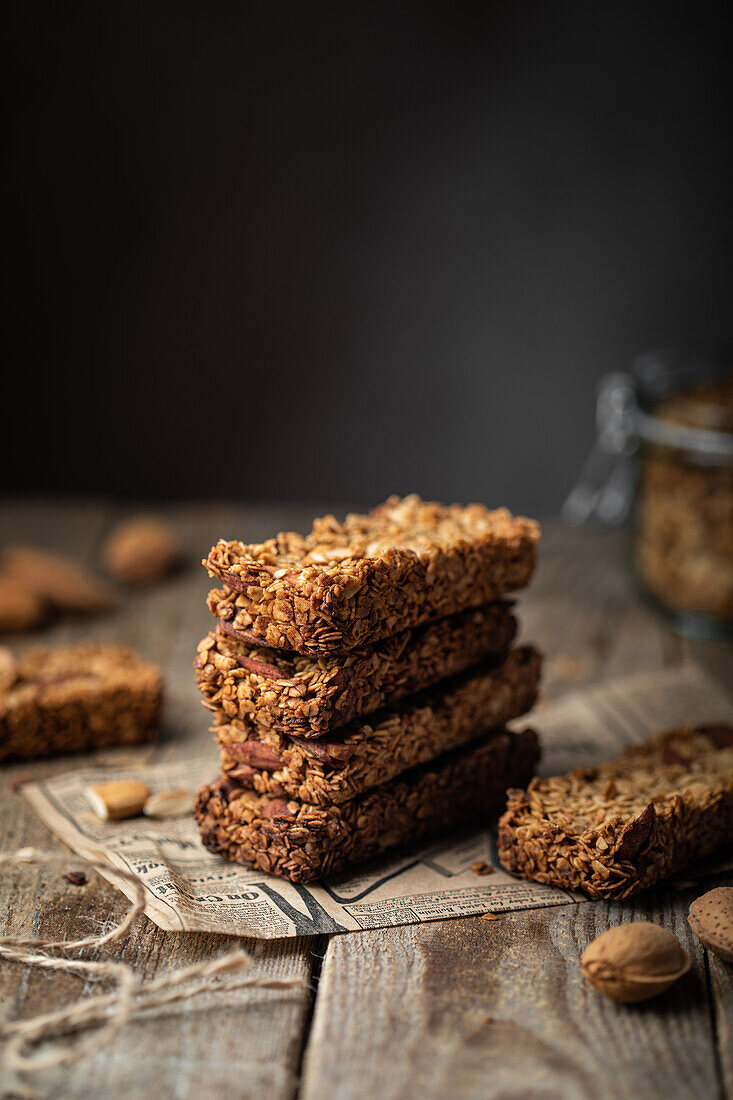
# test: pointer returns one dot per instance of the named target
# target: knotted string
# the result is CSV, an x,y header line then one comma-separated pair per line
x,y
107,1013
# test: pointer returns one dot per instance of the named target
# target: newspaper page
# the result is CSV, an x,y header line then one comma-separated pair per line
x,y
189,889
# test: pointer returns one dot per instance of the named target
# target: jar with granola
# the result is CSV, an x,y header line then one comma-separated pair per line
x,y
675,415
684,506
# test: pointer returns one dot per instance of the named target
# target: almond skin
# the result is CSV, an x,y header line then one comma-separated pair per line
x,y
141,550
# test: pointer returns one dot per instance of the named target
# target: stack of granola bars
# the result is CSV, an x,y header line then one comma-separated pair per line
x,y
361,679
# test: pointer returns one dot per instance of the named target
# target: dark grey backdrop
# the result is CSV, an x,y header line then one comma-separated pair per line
x,y
332,251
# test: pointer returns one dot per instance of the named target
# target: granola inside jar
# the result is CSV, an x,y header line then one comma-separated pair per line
x,y
683,551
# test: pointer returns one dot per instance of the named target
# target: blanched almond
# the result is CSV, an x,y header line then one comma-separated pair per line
x,y
118,799
174,803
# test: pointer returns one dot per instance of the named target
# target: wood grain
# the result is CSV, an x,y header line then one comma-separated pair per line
x,y
472,1008
498,1009
248,1042
463,1008
720,978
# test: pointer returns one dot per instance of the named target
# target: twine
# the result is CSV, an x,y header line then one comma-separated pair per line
x,y
108,1012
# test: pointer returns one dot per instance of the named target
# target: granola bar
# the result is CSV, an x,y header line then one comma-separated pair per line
x,y
302,842
346,585
308,696
615,830
364,755
76,698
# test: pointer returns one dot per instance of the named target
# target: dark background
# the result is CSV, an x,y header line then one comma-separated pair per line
x,y
331,252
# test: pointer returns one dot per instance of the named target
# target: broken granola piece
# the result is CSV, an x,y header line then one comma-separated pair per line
x,y
615,830
77,698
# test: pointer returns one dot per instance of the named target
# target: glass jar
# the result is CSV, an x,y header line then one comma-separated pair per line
x,y
683,547
674,417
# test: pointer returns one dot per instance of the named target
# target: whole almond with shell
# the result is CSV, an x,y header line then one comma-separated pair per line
x,y
634,962
141,550
711,919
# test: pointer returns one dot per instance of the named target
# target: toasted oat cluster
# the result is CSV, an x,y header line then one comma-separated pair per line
x,y
615,830
76,698
349,584
309,696
302,842
365,754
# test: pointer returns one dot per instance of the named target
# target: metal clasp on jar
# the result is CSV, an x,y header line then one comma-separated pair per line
x,y
605,488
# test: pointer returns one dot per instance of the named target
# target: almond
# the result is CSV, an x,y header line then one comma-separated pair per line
x,y
20,608
173,803
711,919
8,669
634,962
141,550
57,580
118,799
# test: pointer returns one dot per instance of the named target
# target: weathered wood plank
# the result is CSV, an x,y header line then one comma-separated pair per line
x,y
483,1009
196,1049
582,605
244,1041
398,1010
720,977
403,1010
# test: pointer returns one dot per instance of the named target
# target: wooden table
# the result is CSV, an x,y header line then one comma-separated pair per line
x,y
461,1008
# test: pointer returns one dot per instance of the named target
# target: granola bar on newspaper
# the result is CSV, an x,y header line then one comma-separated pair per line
x,y
364,755
76,698
308,696
615,830
349,584
302,842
